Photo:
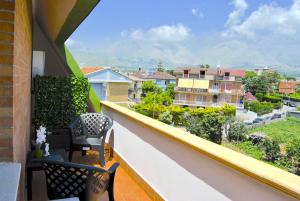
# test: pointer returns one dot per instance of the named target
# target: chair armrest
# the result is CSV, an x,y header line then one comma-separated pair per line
x,y
113,168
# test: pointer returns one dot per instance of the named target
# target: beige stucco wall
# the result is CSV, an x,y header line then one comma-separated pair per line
x,y
54,63
52,14
117,92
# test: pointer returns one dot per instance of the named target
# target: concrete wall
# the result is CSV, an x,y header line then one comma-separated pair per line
x,y
178,172
54,63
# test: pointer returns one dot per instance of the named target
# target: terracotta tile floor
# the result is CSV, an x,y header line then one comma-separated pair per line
x,y
125,187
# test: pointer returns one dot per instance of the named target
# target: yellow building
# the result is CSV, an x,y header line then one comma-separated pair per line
x,y
108,84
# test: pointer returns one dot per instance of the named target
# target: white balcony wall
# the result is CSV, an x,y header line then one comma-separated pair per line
x,y
180,172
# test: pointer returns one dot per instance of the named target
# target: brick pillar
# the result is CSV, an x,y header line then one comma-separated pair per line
x,y
6,79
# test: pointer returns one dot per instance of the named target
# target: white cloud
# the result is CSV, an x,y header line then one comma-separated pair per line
x,y
69,42
270,19
165,33
197,13
240,6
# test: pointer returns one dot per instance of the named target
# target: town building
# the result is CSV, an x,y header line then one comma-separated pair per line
x,y
135,89
108,84
162,79
288,87
208,86
260,71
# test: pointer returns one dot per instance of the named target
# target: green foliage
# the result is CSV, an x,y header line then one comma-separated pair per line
x,y
260,108
282,131
294,97
57,100
265,83
210,127
166,117
149,86
77,72
250,149
237,131
271,149
289,78
160,67
204,66
170,90
293,155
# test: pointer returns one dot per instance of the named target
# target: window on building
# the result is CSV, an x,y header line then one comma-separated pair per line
x,y
186,73
202,74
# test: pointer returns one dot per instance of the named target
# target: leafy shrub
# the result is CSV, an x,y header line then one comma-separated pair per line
x,y
272,99
271,149
260,108
177,113
166,117
293,154
210,127
150,110
237,132
58,100
149,86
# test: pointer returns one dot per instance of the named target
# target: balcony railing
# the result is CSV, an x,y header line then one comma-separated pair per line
x,y
180,166
205,103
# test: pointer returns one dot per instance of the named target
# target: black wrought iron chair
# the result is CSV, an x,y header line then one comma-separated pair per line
x,y
89,132
88,183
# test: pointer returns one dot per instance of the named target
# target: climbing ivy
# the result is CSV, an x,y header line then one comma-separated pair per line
x,y
58,100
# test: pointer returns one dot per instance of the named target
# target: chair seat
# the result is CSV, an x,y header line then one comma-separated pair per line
x,y
87,142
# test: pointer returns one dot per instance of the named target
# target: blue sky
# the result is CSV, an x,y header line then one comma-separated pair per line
x,y
232,33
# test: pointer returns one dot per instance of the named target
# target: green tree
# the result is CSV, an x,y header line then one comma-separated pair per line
x,y
149,86
171,72
160,66
271,149
293,154
290,78
237,131
265,83
170,90
204,66
209,126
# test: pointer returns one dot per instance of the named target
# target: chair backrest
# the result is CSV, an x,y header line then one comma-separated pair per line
x,y
66,180
95,124
91,125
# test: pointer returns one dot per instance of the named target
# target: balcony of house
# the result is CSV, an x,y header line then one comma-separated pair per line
x,y
161,162
170,164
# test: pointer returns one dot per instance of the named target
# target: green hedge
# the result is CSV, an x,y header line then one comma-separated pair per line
x,y
273,98
260,108
58,100
178,113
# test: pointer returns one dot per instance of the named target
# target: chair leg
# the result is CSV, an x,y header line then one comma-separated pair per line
x,y
101,156
110,188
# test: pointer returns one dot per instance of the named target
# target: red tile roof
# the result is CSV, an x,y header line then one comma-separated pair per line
x,y
88,70
211,71
288,86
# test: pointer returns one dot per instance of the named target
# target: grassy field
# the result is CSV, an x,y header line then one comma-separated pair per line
x,y
283,131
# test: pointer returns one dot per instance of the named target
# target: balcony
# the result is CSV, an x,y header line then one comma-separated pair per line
x,y
176,165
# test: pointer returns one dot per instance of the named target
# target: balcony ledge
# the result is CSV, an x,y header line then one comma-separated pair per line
x,y
258,170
